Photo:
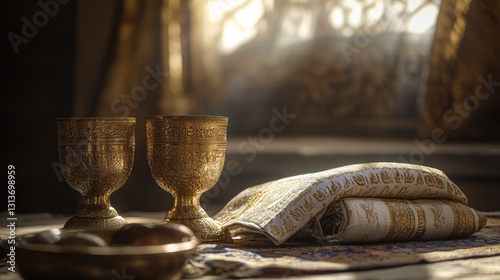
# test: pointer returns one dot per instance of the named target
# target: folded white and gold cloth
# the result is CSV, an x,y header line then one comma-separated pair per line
x,y
371,202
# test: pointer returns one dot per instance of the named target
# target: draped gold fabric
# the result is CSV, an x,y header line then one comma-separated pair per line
x,y
461,98
147,44
135,47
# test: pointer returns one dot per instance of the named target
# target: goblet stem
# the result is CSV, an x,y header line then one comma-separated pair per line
x,y
186,206
98,201
96,212
187,211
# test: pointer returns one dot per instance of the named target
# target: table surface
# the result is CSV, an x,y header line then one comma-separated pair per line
x,y
473,268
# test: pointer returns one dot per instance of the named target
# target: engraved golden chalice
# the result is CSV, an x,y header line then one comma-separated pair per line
x,y
186,156
96,156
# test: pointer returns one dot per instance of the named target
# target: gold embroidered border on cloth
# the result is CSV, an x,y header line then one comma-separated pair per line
x,y
371,202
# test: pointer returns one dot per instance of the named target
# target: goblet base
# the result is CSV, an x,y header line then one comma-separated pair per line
x,y
205,229
95,219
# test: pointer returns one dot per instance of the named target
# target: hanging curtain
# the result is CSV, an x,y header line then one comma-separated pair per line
x,y
462,99
141,68
140,74
136,49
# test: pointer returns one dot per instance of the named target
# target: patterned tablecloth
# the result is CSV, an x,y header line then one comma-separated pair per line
x,y
472,258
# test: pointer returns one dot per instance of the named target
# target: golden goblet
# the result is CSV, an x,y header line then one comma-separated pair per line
x,y
186,156
96,156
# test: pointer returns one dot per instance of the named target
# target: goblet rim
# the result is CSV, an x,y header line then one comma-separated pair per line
x,y
186,117
97,119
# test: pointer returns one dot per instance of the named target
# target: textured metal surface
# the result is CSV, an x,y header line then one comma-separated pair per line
x,y
186,156
162,258
96,156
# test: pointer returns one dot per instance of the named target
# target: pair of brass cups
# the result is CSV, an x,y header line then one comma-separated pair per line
x,y
185,156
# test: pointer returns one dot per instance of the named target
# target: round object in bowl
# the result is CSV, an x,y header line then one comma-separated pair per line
x,y
52,261
126,234
51,236
160,234
81,239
